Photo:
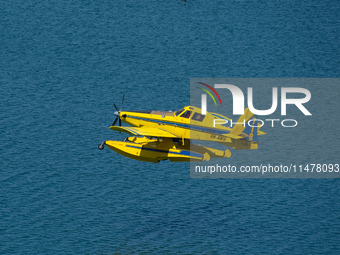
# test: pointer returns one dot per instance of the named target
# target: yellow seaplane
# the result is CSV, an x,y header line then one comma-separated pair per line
x,y
162,135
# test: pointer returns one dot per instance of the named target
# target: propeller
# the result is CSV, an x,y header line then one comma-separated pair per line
x,y
117,113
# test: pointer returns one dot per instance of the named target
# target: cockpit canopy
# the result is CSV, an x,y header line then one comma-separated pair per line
x,y
190,112
179,112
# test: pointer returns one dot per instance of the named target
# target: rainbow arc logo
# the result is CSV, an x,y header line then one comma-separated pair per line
x,y
209,93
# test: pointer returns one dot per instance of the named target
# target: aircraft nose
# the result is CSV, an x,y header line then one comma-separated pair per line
x,y
116,113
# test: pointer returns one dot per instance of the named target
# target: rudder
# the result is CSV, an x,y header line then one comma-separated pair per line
x,y
252,129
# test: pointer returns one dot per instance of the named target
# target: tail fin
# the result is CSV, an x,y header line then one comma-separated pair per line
x,y
252,129
242,122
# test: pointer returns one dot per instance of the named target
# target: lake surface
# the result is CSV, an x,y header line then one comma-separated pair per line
x,y
62,66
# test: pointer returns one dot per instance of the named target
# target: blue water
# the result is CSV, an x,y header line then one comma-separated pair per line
x,y
62,66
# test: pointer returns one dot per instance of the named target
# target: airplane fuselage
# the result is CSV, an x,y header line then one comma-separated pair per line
x,y
176,123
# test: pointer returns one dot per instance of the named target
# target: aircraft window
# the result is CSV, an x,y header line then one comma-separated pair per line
x,y
179,112
186,114
198,117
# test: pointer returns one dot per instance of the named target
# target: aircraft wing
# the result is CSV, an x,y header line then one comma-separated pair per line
x,y
144,131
